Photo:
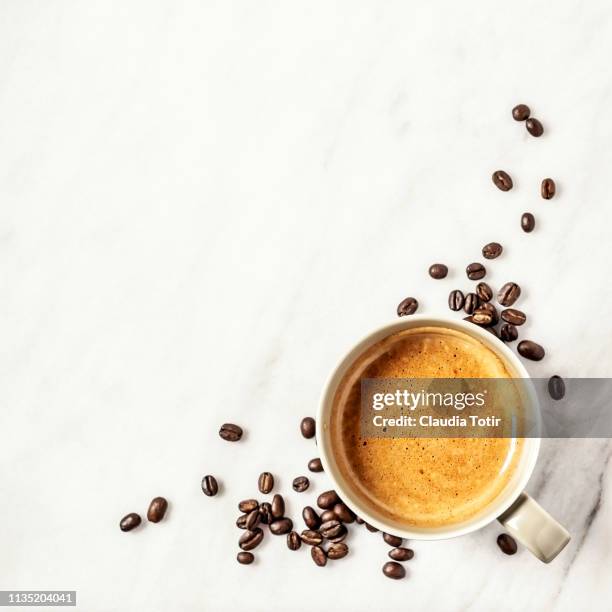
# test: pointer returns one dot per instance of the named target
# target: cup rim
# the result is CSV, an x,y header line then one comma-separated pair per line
x,y
498,506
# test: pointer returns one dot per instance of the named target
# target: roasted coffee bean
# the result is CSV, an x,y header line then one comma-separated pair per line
x,y
492,250
315,465
300,484
490,308
483,317
344,513
311,537
328,515
438,271
392,540
530,350
318,556
521,112
337,551
210,485
401,554
508,294
548,189
359,520
266,513
527,222
241,521
246,505
265,482
157,509
278,506
534,127
392,569
311,518
508,333
293,540
281,526
371,528
556,387
253,519
250,539
514,316
484,292
308,427
455,300
407,306
327,500
502,180
245,558
130,521
475,271
471,303
506,543
230,432
332,529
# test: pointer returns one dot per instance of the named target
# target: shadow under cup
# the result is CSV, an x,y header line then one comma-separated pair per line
x,y
407,486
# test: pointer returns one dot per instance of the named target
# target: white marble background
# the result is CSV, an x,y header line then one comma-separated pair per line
x,y
202,204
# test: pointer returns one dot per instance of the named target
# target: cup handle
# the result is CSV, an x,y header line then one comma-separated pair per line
x,y
533,527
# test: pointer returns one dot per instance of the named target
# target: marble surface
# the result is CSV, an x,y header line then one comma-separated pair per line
x,y
203,204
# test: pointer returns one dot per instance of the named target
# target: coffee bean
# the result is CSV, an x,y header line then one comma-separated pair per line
x,y
392,540
327,500
253,519
344,513
506,543
230,432
337,551
333,530
278,506
250,539
308,427
246,505
531,350
293,540
508,333
265,482
514,316
548,189
455,300
300,484
311,518
475,271
438,271
157,509
245,558
508,294
210,485
483,317
484,292
502,180
492,250
318,556
401,554
534,127
521,112
556,387
528,222
266,513
130,521
311,537
371,528
471,303
281,526
407,306
315,465
392,569
328,515
241,521
359,520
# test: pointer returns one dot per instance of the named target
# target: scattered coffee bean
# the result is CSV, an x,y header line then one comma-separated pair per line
x,y
492,250
327,500
438,271
359,520
528,222
344,513
521,112
502,180
230,432
300,484
328,515
210,485
471,303
556,387
253,519
491,309
475,271
392,569
514,316
241,521
401,554
392,540
245,558
455,300
250,539
508,333
293,540
311,537
508,294
281,526
278,506
246,505
318,556
308,427
534,127
531,350
333,530
483,317
371,528
265,482
407,306
337,551
157,509
548,189
130,521
506,543
265,511
315,465
311,518
484,292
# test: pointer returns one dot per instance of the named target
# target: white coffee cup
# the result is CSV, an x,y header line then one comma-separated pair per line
x,y
521,516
